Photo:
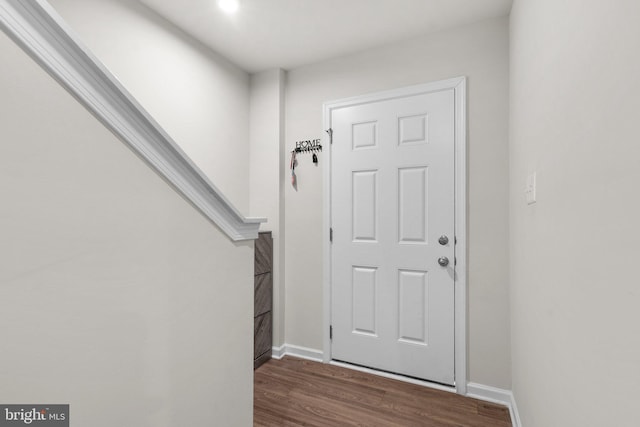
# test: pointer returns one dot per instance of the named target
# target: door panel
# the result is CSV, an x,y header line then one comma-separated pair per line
x,y
412,205
413,316
364,206
392,195
364,300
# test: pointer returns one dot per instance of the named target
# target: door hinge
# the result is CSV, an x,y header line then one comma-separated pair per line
x,y
331,235
331,332
330,132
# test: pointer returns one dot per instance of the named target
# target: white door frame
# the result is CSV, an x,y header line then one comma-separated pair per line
x,y
460,278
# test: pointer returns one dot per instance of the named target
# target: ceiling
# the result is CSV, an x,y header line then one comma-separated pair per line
x,y
266,34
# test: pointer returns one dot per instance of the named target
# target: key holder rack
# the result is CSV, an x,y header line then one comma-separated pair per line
x,y
308,146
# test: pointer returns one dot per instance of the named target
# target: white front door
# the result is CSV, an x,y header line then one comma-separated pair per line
x,y
393,217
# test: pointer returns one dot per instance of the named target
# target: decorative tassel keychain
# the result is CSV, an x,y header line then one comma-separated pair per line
x,y
292,166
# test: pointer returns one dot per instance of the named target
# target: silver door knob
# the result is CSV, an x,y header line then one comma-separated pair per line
x,y
443,261
443,240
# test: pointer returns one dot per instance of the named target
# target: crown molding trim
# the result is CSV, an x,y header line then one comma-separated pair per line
x,y
38,29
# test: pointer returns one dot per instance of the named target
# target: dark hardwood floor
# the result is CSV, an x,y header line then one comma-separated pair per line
x,y
296,392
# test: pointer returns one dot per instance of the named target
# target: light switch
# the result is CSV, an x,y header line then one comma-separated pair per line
x,y
530,190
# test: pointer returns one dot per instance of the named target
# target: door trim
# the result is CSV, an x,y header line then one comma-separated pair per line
x,y
458,85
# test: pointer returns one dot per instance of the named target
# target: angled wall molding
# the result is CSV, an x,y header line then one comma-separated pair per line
x,y
37,28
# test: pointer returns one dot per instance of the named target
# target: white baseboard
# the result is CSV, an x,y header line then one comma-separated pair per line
x,y
496,395
513,410
278,352
297,351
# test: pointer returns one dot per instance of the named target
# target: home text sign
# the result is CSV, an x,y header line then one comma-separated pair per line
x,y
309,145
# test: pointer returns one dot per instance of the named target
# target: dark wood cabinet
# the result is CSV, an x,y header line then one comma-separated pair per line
x,y
263,299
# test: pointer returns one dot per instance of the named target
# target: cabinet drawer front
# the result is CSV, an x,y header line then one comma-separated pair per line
x,y
263,253
261,334
263,294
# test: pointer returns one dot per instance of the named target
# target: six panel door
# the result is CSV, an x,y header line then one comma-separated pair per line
x,y
392,197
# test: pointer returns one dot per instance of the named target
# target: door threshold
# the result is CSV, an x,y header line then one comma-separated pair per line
x,y
398,377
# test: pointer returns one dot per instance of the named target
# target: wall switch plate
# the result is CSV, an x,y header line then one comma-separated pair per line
x,y
530,190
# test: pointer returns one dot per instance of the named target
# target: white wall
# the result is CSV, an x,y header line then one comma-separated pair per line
x,y
266,176
204,103
480,52
116,295
575,99
198,97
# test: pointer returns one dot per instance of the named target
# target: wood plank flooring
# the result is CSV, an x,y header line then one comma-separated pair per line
x,y
296,392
